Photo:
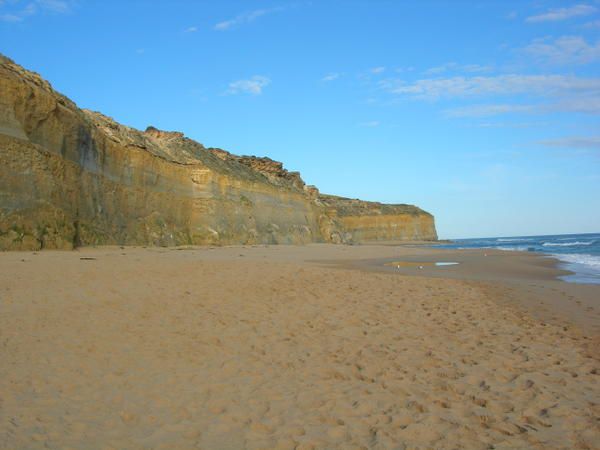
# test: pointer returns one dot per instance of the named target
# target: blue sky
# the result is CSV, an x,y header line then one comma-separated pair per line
x,y
485,113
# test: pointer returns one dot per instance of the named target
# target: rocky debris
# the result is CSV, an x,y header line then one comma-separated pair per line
x,y
354,207
272,170
115,131
160,134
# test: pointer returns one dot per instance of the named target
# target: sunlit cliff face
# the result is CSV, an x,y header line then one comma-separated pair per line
x,y
72,177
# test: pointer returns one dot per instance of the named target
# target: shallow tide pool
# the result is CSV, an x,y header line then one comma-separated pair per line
x,y
421,265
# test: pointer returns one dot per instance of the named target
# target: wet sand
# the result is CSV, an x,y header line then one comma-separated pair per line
x,y
522,279
295,348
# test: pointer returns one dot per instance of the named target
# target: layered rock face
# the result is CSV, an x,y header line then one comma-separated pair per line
x,y
71,177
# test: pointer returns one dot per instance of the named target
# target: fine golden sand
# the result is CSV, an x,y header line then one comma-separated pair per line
x,y
233,349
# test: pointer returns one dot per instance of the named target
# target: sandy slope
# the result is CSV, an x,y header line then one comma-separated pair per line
x,y
209,349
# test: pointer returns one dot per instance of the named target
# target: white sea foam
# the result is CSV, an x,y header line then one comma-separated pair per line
x,y
583,259
567,244
518,248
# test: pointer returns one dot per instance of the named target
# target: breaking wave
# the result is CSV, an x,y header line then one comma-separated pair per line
x,y
566,244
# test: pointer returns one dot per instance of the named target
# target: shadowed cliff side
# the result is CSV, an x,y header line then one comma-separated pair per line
x,y
71,177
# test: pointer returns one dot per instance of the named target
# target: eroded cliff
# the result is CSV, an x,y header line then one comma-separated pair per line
x,y
71,177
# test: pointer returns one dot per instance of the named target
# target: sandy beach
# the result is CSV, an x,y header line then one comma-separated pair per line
x,y
295,347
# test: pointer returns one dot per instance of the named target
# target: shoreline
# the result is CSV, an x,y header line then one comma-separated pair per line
x,y
528,280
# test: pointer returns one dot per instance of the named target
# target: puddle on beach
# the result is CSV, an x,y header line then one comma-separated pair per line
x,y
419,265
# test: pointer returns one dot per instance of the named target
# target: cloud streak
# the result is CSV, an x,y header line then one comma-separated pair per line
x,y
577,142
244,18
574,146
487,110
579,104
17,12
252,86
452,66
593,25
560,14
455,87
527,94
58,6
565,50
330,77
587,104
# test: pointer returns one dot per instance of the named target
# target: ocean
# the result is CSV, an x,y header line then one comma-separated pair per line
x,y
578,253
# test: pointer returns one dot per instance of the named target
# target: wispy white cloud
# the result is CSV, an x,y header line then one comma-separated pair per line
x,y
190,30
487,110
576,104
542,94
476,68
582,104
440,69
18,11
371,73
377,70
58,6
563,50
331,76
559,14
587,104
510,124
593,25
245,18
577,142
574,146
453,66
252,86
542,85
9,17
